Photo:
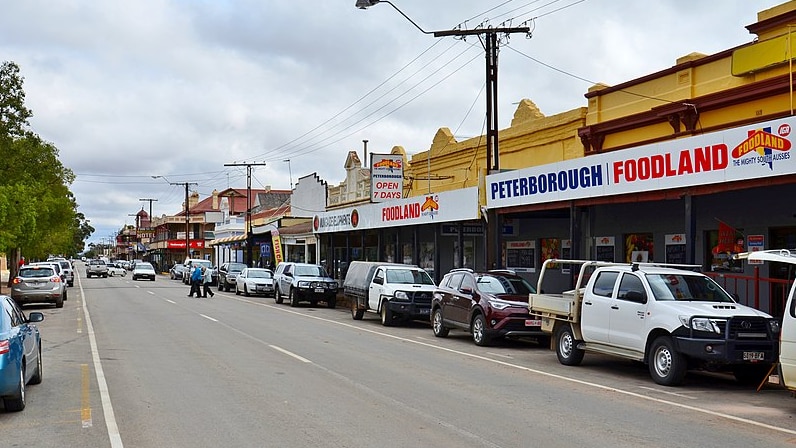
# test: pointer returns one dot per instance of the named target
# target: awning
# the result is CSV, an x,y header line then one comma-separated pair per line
x,y
226,240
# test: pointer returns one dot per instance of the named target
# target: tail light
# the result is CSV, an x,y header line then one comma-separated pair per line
x,y
55,279
5,347
16,281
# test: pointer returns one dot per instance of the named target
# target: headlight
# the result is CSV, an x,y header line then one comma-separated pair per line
x,y
303,284
700,324
499,304
773,324
401,295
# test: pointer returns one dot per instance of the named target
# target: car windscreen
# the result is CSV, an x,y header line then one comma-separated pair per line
x,y
259,274
310,271
144,266
498,284
409,277
34,272
686,288
236,267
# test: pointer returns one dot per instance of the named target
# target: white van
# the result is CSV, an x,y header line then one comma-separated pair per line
x,y
787,337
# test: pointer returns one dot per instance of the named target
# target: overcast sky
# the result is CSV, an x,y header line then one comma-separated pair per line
x,y
130,89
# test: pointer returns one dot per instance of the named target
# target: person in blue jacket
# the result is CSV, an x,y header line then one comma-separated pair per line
x,y
196,282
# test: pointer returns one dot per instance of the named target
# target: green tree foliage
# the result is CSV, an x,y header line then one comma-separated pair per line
x,y
38,212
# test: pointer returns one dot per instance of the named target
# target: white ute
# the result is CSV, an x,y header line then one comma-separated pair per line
x,y
671,319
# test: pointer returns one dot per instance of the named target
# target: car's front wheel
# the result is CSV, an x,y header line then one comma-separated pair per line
x,y
277,297
293,298
37,377
479,331
667,366
386,314
440,330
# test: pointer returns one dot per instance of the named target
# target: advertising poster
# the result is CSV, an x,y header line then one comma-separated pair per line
x,y
675,248
521,256
551,248
638,248
604,247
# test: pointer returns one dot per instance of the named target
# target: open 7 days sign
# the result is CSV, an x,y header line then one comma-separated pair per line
x,y
750,152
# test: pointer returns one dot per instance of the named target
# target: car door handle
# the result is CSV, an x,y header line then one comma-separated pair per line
x,y
587,303
614,307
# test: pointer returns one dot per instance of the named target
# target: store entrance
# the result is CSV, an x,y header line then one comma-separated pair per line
x,y
781,238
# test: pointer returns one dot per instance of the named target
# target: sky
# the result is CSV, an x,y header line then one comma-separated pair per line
x,y
131,89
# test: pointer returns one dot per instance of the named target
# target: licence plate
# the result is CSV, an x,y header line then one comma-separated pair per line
x,y
424,311
753,356
533,322
319,290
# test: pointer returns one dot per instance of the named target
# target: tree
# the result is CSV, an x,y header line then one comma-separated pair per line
x,y
38,212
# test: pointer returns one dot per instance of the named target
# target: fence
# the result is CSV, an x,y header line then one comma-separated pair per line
x,y
762,293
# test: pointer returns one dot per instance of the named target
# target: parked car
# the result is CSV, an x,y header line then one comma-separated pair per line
x,y
304,282
488,305
97,268
144,270
255,281
177,272
115,269
56,265
68,270
227,273
20,353
38,284
190,263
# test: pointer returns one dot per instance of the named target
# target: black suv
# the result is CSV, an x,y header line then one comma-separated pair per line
x,y
227,274
489,305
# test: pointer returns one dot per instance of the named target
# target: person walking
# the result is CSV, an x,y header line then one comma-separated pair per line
x,y
207,280
196,282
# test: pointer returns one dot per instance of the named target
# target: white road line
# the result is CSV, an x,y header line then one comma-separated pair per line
x,y
500,355
528,369
150,293
170,301
208,317
105,398
668,393
289,353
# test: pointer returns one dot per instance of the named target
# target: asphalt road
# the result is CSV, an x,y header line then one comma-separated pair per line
x,y
140,364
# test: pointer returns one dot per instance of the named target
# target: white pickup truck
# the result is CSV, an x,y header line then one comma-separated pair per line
x,y
397,292
670,318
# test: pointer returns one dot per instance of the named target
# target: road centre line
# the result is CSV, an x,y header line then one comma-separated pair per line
x,y
531,370
208,317
289,353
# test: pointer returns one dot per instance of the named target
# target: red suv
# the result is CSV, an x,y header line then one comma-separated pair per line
x,y
489,305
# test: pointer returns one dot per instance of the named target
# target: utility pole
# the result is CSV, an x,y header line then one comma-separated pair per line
x,y
187,217
249,236
150,207
490,42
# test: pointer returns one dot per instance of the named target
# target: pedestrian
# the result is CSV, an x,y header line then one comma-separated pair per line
x,y
207,280
196,282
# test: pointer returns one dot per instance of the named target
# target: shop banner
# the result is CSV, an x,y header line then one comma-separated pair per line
x,y
748,152
386,177
276,241
448,206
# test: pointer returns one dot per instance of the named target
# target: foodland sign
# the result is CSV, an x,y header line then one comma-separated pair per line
x,y
457,205
749,152
386,177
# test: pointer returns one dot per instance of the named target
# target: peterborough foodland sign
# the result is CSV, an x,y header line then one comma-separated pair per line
x,y
748,152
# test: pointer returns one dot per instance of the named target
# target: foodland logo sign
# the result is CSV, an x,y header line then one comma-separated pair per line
x,y
732,155
425,207
386,177
763,147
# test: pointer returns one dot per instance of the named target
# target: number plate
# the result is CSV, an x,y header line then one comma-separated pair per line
x,y
533,323
424,311
319,290
753,356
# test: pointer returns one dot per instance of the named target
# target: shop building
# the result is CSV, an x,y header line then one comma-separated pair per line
x,y
687,165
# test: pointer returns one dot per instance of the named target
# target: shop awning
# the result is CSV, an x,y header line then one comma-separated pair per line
x,y
226,240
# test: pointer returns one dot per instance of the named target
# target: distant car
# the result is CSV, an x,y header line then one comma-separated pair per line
x,y
67,269
489,305
255,281
144,270
96,268
38,284
115,269
177,271
20,353
190,263
227,273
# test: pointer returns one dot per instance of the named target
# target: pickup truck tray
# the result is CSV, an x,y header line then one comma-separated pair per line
x,y
558,304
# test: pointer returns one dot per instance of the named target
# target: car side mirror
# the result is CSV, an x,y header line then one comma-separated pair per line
x,y
466,290
378,281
